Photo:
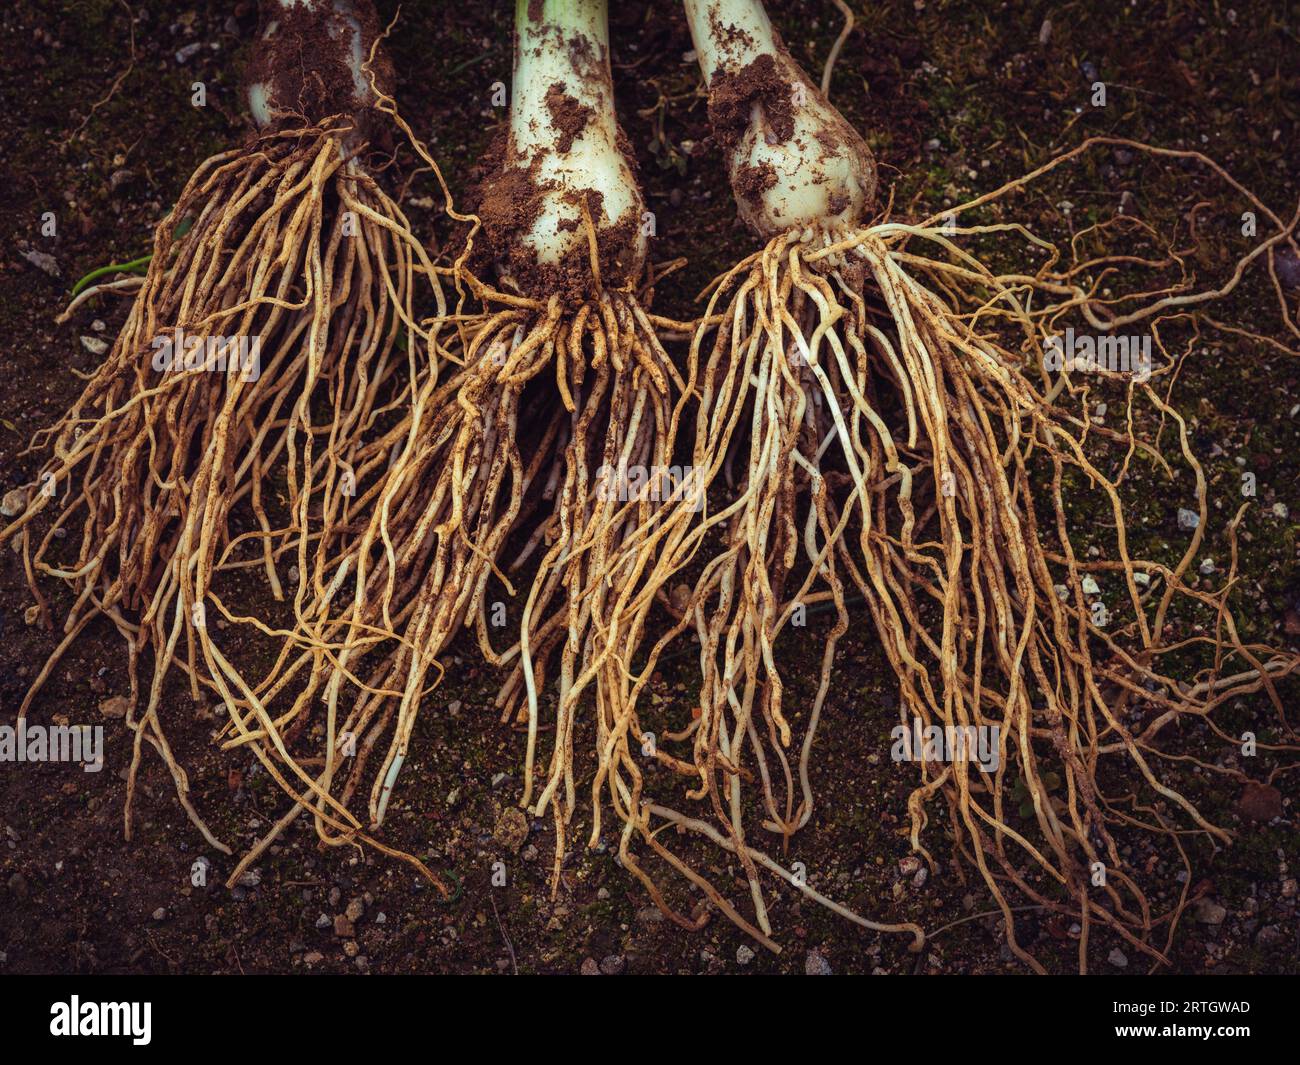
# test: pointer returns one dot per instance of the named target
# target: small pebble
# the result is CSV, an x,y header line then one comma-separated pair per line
x,y
1259,802
1210,912
1288,268
1270,935
117,706
13,503
42,261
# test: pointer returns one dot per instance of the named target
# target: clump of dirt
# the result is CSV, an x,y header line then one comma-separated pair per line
x,y
568,115
589,62
303,57
727,34
732,96
750,182
828,140
506,199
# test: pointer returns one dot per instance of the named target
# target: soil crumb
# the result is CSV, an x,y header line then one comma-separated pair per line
x,y
750,182
568,115
732,97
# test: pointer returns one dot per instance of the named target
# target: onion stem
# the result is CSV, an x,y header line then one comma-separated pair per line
x,y
564,133
794,161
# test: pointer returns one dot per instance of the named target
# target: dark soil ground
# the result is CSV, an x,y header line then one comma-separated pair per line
x,y
98,128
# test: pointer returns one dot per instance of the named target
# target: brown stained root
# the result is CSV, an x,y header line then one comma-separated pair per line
x,y
900,458
513,448
171,477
